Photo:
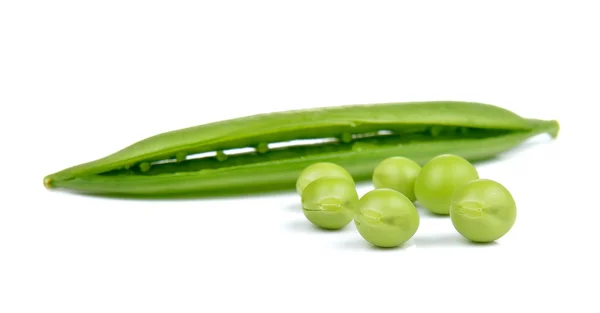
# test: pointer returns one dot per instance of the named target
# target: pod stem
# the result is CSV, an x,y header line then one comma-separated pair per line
x,y
551,127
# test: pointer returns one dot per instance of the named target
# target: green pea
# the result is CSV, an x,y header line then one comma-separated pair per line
x,y
262,148
180,156
318,170
221,156
386,218
398,173
483,210
145,166
438,180
330,202
346,137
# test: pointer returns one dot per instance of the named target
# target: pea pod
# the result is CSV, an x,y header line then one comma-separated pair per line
x,y
211,159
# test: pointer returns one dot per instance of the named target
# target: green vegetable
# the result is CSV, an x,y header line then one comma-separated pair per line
x,y
330,202
483,210
386,218
398,173
218,160
438,180
318,170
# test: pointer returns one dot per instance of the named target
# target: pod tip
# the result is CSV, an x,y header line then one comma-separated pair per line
x,y
550,127
555,129
48,182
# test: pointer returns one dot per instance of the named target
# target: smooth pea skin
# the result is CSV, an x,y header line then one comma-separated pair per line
x,y
438,180
318,170
398,173
483,210
330,202
386,218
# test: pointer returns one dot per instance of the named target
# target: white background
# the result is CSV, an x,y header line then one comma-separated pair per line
x,y
81,79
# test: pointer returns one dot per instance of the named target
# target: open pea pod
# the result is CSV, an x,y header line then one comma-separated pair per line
x,y
266,152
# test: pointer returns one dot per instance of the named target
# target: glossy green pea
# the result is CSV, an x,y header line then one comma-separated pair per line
x,y
386,218
180,156
356,137
318,170
330,202
438,180
221,156
483,210
398,173
144,167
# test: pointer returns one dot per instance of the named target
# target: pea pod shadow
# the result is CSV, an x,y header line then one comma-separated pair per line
x,y
448,240
362,245
207,195
419,241
302,226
